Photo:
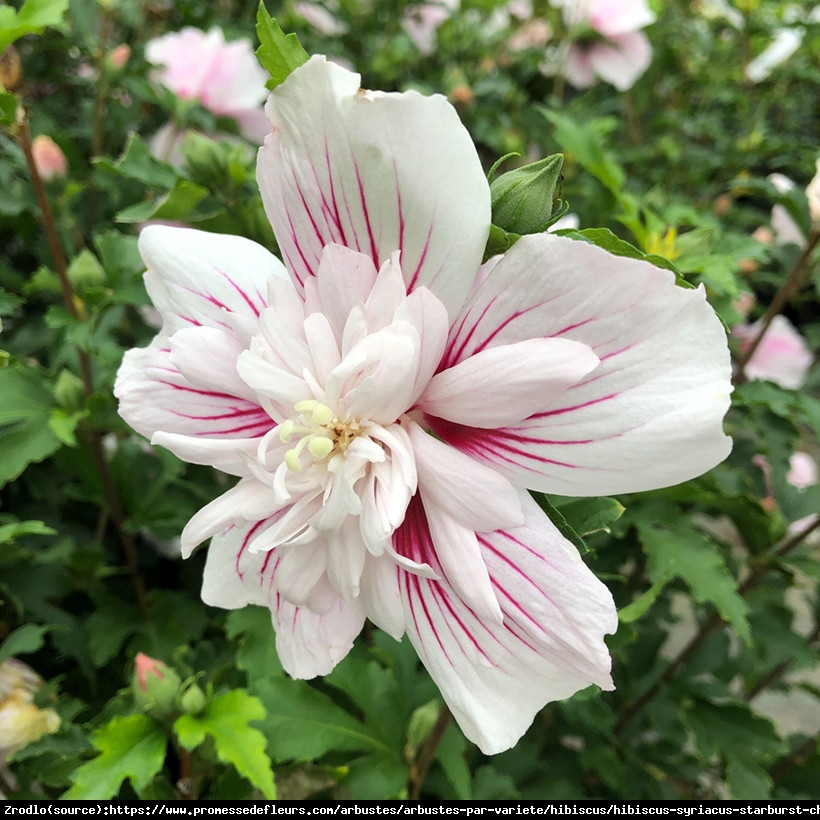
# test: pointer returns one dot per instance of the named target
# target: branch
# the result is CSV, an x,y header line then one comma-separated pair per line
x,y
419,769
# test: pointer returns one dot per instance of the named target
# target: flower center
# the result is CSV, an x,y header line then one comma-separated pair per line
x,y
320,431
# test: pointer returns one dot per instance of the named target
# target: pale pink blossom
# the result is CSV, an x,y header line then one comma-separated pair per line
x,y
49,158
320,18
781,357
802,470
384,415
533,34
223,77
620,55
421,22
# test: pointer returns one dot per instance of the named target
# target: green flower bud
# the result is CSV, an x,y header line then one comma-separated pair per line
x,y
155,686
421,724
523,200
69,391
85,271
193,700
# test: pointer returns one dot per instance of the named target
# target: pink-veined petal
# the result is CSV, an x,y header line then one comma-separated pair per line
x,y
650,415
506,384
476,496
194,277
249,500
308,643
495,677
375,172
210,426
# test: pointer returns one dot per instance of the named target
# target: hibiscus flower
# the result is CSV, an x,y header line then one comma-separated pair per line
x,y
386,414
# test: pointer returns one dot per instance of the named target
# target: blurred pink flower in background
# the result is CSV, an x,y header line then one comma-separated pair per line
x,y
622,52
49,158
802,470
320,18
781,357
421,22
119,55
223,77
813,195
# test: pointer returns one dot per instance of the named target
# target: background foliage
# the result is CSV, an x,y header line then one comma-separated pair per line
x,y
715,660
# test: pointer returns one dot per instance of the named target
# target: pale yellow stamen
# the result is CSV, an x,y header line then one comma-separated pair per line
x,y
322,433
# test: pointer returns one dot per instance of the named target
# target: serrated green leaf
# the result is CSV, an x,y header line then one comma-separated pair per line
x,y
8,532
304,724
131,747
226,719
278,53
675,549
25,435
24,640
32,18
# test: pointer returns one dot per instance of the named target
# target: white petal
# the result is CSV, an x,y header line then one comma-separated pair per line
x,y
194,277
506,384
379,595
159,402
377,173
477,497
308,643
248,501
496,677
460,557
649,416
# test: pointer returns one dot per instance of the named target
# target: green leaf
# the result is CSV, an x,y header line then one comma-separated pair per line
x,y
23,641
8,532
178,204
377,777
588,515
226,719
304,724
278,53
131,747
32,18
641,605
257,655
8,107
675,549
108,627
25,435
450,755
604,238
138,163
561,523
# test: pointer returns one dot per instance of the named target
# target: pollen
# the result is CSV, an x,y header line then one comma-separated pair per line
x,y
320,432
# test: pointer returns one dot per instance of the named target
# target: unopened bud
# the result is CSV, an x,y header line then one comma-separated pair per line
x,y
119,56
49,159
85,271
155,686
69,390
193,701
523,200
